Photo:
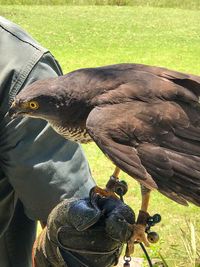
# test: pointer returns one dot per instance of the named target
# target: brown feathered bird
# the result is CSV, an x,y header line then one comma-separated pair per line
x,y
145,119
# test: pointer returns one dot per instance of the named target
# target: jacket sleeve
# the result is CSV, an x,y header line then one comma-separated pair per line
x,y
42,167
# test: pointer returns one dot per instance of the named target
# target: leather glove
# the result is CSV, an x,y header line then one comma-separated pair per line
x,y
88,232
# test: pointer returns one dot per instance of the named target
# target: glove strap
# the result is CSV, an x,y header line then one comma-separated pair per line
x,y
71,259
83,251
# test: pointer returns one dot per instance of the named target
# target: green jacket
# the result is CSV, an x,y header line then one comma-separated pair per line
x,y
37,166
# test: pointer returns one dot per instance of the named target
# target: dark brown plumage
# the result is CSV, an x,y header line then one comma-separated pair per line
x,y
145,119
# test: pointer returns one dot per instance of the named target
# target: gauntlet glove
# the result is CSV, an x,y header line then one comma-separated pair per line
x,y
87,232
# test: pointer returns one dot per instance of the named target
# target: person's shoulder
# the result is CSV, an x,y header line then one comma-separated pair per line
x,y
19,54
18,35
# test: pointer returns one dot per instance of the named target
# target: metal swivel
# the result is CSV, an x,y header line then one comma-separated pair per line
x,y
127,261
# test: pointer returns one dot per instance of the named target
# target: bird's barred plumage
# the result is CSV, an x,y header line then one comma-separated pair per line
x,y
145,119
78,135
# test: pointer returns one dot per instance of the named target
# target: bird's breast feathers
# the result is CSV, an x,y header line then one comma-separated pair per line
x,y
79,135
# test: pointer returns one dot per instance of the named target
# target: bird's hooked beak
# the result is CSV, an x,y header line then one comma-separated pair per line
x,y
18,110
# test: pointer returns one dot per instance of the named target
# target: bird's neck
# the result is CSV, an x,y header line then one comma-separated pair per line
x,y
76,133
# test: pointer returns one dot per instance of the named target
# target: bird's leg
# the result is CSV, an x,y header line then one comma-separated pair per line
x,y
116,172
140,226
145,192
113,181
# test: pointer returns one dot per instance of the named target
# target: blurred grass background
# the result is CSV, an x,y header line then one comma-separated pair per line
x,y
186,4
147,32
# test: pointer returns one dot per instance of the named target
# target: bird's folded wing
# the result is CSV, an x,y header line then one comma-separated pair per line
x,y
176,174
110,139
158,155
189,81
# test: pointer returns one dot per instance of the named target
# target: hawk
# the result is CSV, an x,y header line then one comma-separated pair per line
x,y
145,119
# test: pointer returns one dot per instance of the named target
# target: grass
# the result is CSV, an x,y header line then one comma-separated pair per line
x,y
190,244
191,250
185,4
94,36
88,36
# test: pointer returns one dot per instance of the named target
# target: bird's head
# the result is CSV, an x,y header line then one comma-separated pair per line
x,y
38,100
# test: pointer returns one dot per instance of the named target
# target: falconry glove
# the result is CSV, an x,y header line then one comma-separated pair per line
x,y
88,232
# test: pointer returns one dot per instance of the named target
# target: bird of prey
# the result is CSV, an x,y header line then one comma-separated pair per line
x,y
146,119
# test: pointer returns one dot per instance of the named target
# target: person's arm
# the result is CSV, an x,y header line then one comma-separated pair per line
x,y
42,167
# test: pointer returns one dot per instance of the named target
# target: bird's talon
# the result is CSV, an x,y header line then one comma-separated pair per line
x,y
137,236
103,192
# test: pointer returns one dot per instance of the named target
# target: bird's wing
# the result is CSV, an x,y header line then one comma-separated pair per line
x,y
140,138
112,140
177,175
146,83
188,81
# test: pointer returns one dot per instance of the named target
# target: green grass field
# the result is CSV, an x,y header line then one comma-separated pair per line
x,y
89,36
186,4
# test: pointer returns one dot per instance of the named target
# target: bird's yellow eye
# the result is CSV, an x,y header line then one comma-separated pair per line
x,y
33,105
